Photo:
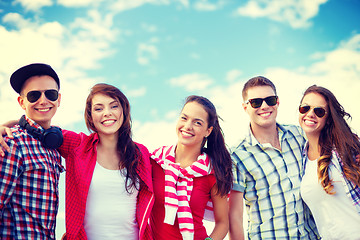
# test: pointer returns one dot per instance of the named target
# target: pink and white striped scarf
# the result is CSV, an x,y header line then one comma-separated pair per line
x,y
178,187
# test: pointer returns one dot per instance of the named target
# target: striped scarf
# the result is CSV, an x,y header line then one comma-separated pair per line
x,y
178,187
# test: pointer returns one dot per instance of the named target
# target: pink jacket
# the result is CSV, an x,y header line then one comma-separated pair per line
x,y
79,150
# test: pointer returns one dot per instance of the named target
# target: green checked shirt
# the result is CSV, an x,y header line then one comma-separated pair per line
x,y
270,180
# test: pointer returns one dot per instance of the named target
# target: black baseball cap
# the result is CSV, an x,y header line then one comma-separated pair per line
x,y
19,77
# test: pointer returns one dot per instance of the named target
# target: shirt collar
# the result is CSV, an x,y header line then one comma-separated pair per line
x,y
335,158
32,123
94,140
251,139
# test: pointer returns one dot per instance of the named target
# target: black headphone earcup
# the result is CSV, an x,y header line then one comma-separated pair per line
x,y
52,138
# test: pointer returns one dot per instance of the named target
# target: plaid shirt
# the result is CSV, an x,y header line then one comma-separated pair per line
x,y
29,177
270,180
352,191
80,153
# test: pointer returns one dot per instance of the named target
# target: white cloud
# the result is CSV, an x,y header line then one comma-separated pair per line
x,y
96,26
139,92
123,5
154,134
228,103
70,50
79,3
297,13
337,70
16,20
117,6
50,29
205,5
233,75
352,44
146,52
192,82
33,5
172,115
184,3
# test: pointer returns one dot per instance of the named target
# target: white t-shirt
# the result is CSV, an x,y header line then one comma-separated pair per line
x,y
335,215
110,210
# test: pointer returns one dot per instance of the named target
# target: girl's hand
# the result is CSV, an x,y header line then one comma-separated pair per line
x,y
3,146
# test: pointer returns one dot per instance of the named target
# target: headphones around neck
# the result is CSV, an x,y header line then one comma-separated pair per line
x,y
51,138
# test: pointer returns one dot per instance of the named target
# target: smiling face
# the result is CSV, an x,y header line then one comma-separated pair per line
x,y
107,114
309,122
264,116
192,126
42,110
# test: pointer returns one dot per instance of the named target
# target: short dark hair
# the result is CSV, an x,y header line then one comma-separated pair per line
x,y
257,81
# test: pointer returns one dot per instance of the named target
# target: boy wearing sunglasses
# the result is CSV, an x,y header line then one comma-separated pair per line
x,y
30,169
268,172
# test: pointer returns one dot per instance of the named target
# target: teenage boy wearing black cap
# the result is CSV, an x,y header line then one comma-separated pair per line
x,y
30,170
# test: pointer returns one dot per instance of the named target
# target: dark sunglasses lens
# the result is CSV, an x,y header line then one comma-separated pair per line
x,y
320,112
52,95
271,101
33,96
256,102
304,109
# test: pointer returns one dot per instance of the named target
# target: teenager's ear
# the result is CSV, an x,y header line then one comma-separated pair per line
x,y
244,105
209,130
21,102
59,99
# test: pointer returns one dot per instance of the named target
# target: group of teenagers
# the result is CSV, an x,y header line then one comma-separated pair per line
x,y
297,182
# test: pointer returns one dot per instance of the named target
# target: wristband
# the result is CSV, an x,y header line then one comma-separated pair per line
x,y
208,238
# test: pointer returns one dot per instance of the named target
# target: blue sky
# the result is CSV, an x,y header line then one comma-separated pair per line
x,y
160,51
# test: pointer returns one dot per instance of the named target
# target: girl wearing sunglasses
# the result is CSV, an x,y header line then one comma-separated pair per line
x,y
331,182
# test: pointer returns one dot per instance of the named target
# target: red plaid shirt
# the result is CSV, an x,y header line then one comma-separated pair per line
x,y
79,150
29,177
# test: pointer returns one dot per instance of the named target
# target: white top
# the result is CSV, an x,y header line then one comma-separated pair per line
x,y
335,215
110,210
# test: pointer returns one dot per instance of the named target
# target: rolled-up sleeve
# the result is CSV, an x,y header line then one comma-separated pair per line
x,y
238,173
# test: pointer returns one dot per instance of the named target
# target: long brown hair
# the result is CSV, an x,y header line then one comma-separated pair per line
x,y
126,148
336,135
220,158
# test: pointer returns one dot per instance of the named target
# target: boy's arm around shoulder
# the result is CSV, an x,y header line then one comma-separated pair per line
x,y
71,141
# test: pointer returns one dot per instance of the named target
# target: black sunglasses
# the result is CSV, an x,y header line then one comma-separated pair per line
x,y
319,111
257,102
51,94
